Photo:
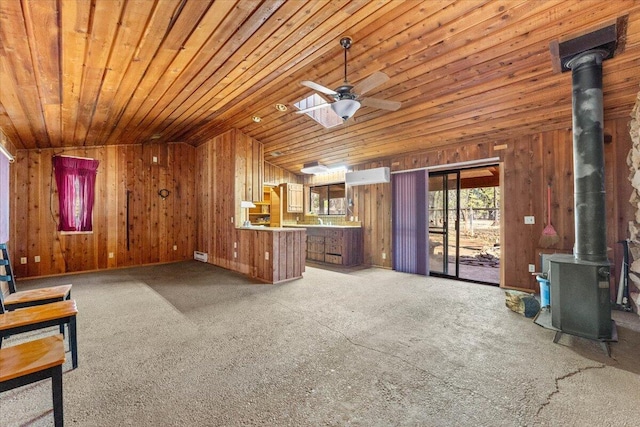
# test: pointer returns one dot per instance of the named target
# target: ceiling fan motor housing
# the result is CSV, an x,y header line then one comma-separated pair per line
x,y
344,92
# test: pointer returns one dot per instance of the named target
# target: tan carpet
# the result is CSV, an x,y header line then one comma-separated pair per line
x,y
189,344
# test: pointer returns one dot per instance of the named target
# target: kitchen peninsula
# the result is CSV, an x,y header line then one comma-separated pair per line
x,y
271,254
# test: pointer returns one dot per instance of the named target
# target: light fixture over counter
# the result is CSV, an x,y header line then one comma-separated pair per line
x,y
313,168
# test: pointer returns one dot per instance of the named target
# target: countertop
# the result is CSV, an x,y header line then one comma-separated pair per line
x,y
263,228
320,226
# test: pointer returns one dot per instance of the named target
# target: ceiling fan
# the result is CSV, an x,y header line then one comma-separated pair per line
x,y
348,98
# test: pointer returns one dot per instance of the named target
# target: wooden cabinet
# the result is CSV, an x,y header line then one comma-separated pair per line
x,y
261,214
268,211
335,245
294,197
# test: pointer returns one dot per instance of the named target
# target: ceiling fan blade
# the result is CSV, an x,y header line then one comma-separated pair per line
x,y
383,104
374,80
315,107
318,87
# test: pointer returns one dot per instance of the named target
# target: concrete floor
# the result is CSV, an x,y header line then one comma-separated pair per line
x,y
189,344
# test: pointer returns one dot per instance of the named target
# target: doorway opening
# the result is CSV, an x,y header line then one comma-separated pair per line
x,y
464,224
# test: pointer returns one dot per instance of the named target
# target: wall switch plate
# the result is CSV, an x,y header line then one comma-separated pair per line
x,y
266,256
235,245
155,159
23,260
36,258
532,268
235,254
110,254
175,247
529,220
384,255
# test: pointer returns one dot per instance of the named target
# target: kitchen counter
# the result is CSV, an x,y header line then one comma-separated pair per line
x,y
334,244
265,228
270,254
320,226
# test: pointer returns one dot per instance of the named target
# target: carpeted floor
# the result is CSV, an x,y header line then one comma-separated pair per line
x,y
189,344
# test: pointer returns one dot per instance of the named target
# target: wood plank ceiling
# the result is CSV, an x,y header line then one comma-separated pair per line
x,y
100,72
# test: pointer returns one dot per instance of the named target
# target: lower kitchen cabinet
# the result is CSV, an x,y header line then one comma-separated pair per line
x,y
335,245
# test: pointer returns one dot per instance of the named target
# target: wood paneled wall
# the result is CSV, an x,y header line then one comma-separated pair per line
x,y
528,164
230,169
276,175
155,225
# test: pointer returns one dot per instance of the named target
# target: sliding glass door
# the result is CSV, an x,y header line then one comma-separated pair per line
x,y
444,193
464,224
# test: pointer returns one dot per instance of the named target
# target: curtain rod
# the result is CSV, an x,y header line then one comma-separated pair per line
x,y
73,157
459,165
7,154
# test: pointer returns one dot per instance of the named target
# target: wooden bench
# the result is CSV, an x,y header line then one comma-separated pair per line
x,y
39,317
33,361
18,299
33,297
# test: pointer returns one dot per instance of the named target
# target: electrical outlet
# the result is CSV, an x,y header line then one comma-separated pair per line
x,y
155,159
530,220
110,254
384,255
175,247
23,260
532,268
235,245
36,258
235,254
266,256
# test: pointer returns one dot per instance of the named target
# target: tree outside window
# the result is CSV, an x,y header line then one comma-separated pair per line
x,y
328,199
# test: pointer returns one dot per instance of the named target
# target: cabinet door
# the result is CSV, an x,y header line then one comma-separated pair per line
x,y
295,198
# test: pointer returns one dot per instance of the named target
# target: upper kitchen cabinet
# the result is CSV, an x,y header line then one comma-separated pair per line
x,y
293,197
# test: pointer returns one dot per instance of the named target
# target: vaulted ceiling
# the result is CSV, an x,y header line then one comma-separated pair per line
x,y
96,72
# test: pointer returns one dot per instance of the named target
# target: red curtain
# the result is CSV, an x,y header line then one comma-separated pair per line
x,y
75,178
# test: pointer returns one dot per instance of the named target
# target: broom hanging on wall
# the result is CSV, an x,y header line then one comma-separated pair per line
x,y
549,236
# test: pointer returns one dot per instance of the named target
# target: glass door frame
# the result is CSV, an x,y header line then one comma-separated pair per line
x,y
444,231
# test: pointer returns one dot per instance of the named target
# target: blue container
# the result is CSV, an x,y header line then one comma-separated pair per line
x,y
545,300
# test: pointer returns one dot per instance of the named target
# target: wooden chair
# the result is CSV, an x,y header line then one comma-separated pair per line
x,y
33,361
39,317
19,299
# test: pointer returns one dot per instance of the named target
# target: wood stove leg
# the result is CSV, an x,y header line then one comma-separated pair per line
x,y
556,338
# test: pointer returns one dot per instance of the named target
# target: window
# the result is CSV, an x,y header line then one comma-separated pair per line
x,y
325,115
328,199
75,178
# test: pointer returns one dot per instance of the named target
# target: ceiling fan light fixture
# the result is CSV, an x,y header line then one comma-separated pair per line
x,y
314,168
345,108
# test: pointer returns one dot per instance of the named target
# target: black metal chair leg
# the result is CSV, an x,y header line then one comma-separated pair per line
x,y
73,341
56,388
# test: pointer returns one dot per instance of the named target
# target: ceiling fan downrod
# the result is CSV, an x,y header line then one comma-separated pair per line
x,y
345,42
